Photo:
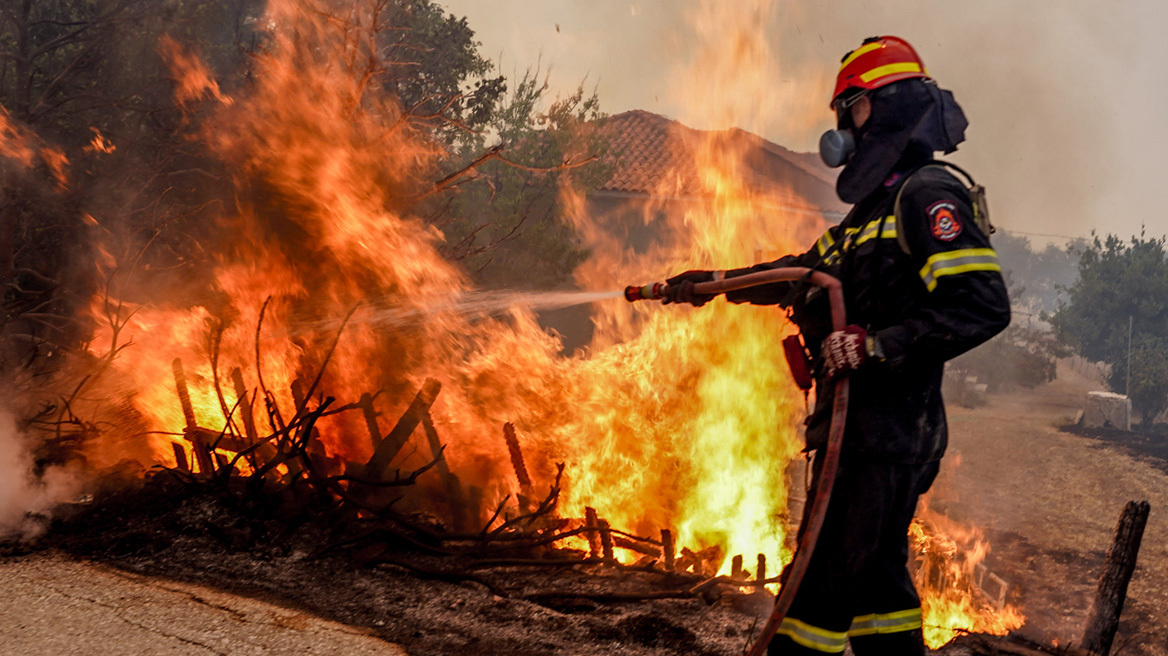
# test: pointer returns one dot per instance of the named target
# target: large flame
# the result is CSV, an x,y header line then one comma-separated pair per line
x,y
675,418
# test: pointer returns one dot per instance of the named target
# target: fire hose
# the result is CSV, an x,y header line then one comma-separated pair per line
x,y
793,574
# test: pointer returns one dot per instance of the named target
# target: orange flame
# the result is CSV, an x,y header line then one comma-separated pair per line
x,y
22,145
675,418
99,144
194,80
958,593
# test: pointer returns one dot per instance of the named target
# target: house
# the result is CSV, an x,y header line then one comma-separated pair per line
x,y
655,158
655,174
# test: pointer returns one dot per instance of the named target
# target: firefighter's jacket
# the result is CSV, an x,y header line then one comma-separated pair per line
x,y
943,297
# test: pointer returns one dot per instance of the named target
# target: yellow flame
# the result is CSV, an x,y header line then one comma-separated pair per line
x,y
676,417
948,556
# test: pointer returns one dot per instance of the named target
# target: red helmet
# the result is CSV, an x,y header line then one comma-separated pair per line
x,y
879,61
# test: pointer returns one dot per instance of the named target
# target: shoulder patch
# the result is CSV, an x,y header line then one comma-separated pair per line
x,y
943,220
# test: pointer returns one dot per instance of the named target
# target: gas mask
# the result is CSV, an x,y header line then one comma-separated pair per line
x,y
909,116
836,147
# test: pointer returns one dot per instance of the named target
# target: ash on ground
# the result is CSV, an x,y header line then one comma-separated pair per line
x,y
427,604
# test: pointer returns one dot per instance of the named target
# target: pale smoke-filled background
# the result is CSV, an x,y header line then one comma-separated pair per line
x,y
1065,99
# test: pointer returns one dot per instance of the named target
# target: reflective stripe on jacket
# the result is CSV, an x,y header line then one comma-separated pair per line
x,y
942,298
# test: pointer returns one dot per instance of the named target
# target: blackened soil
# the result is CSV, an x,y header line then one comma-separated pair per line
x,y
427,604
1150,446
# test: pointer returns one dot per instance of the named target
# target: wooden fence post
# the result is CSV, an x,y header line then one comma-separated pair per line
x,y
1117,571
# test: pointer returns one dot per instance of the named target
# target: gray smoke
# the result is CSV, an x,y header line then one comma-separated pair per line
x,y
1063,98
26,495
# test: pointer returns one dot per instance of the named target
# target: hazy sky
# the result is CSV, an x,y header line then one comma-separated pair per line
x,y
1065,98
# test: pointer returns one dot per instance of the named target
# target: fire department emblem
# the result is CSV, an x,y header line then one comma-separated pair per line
x,y
943,219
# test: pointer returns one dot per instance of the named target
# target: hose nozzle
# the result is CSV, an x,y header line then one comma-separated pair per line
x,y
654,291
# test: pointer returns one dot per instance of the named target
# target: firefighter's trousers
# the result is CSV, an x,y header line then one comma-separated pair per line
x,y
857,586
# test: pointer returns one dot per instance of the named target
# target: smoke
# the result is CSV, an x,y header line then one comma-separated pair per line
x,y
1061,99
28,492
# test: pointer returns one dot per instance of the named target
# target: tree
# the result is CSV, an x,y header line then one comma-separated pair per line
x,y
75,73
1020,355
1038,275
1121,282
505,221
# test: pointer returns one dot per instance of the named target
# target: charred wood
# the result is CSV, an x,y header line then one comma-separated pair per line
x,y
592,522
980,644
450,482
180,457
1103,621
392,443
667,548
518,465
606,541
184,394
370,414
634,545
246,413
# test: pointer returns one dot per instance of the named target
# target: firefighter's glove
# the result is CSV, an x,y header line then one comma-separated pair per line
x,y
844,351
680,288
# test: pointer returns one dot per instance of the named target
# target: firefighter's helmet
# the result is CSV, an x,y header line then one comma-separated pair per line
x,y
880,60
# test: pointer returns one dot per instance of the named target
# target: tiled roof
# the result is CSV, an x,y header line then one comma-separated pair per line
x,y
655,156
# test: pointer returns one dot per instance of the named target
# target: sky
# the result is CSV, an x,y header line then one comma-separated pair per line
x,y
1065,98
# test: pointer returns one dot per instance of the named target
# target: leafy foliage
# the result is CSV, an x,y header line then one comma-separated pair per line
x,y
71,70
1020,355
507,223
438,72
1121,281
1038,275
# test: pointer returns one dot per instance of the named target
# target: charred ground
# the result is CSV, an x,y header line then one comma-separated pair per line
x,y
1048,501
427,604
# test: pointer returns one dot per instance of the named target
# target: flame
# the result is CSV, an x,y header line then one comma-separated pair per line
x,y
22,145
99,144
674,418
689,413
958,594
193,78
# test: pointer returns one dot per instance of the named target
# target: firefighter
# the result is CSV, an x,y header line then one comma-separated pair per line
x,y
921,285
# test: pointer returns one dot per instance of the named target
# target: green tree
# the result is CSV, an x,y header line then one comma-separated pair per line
x,y
1038,276
71,70
1121,281
505,220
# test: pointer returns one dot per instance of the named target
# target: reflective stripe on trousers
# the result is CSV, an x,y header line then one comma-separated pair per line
x,y
834,642
813,637
904,620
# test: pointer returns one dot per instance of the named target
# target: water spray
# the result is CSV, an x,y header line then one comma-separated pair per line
x,y
391,312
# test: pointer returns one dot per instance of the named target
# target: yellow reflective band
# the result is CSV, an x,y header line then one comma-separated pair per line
x,y
905,620
813,637
824,243
960,261
862,50
888,231
890,69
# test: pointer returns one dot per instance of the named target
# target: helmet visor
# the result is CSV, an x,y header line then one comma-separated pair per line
x,y
843,105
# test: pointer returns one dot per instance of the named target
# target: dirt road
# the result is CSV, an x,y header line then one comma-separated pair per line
x,y
1049,502
51,605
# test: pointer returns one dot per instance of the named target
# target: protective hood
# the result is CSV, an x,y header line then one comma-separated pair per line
x,y
908,112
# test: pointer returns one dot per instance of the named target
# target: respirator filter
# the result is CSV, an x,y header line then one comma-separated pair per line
x,y
836,147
